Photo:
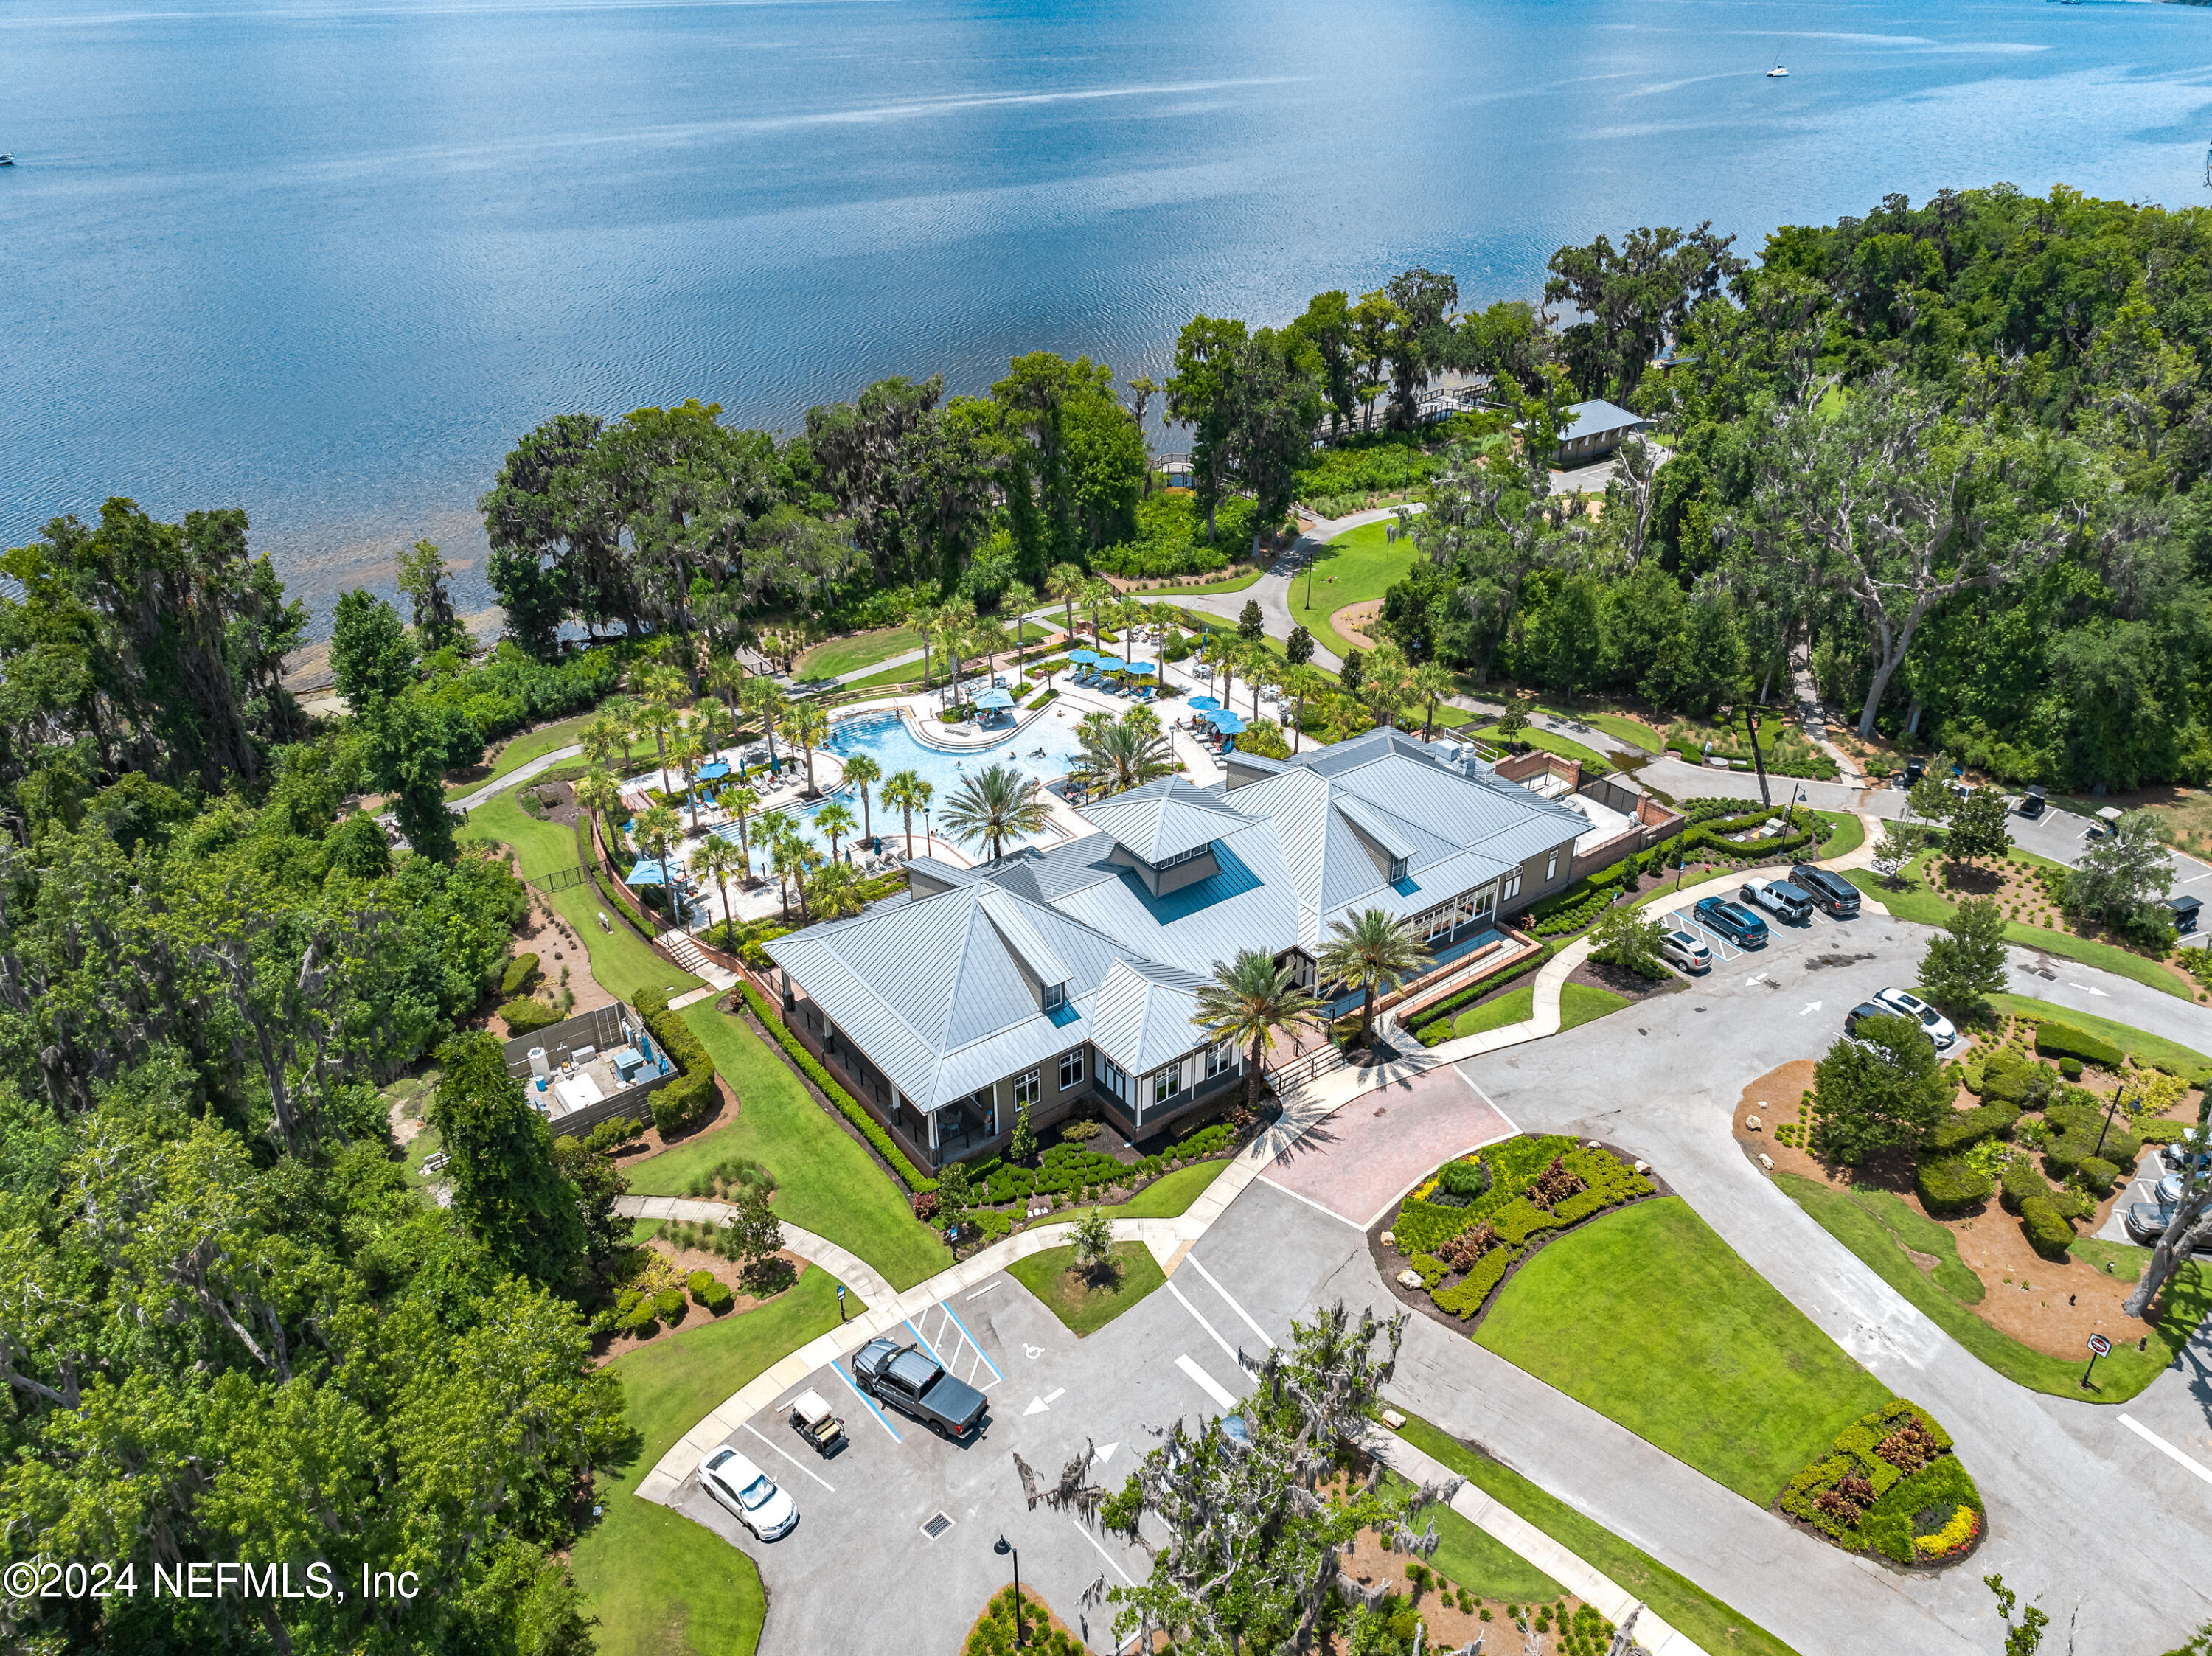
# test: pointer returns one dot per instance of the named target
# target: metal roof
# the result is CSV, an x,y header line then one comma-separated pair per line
x,y
1142,1015
1593,418
1164,819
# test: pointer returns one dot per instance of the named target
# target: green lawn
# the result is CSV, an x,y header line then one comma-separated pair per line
x,y
1704,1619
1593,762
658,1582
1919,901
623,962
1232,584
840,656
2138,1043
1879,1231
1085,1307
1168,1196
1475,1559
1515,1005
1615,725
524,747
1648,1317
825,1183
1581,1003
1357,565
1850,833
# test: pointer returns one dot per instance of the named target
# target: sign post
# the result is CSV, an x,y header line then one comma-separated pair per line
x,y
841,1302
2098,1346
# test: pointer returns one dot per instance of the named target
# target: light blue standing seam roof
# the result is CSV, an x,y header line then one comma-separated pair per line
x,y
1166,818
1597,418
1142,1015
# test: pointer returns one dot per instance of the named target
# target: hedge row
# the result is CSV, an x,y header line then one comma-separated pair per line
x,y
519,971
1970,1127
683,1103
2061,1040
1444,1009
847,1105
524,1017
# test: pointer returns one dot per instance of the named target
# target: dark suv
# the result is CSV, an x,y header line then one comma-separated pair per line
x,y
1732,920
916,1383
1831,893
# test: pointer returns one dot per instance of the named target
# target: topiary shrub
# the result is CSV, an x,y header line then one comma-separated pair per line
x,y
1952,1185
524,1017
701,1283
718,1298
644,1319
1968,1127
2062,1041
2098,1173
2047,1228
2020,1182
2070,1068
2011,1077
519,971
2079,1134
669,1305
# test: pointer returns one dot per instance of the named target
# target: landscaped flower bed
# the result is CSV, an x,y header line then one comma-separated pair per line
x,y
1474,1218
1893,1487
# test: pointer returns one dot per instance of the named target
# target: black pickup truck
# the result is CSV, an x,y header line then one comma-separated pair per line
x,y
916,1383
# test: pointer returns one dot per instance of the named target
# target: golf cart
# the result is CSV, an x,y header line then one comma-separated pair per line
x,y
812,1419
2107,822
2032,801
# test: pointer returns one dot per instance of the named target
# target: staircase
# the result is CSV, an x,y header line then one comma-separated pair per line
x,y
1289,1079
679,948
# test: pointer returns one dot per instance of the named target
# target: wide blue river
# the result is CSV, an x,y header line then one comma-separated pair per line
x,y
326,261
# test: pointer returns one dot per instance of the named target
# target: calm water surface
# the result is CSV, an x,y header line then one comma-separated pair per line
x,y
326,261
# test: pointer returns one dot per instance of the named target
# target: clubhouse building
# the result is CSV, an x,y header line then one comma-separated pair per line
x,y
1065,977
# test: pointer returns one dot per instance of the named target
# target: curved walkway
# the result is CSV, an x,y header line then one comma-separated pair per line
x,y
1272,591
514,778
848,1267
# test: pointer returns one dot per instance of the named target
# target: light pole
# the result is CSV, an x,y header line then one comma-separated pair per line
x,y
1003,1547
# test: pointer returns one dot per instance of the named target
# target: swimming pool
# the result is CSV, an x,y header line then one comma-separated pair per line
x,y
1040,750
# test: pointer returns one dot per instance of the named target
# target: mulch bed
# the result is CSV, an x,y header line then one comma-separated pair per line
x,y
1619,980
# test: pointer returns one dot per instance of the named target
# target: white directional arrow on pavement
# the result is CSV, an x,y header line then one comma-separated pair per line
x,y
1810,1006
2085,988
1105,1452
1760,977
1037,1406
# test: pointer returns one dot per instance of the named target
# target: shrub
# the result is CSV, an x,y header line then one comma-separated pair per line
x,y
2047,1228
2070,1068
2062,1041
525,1017
683,1103
668,1305
1951,1185
519,971
1077,1131
1968,1127
1465,1177
2098,1173
1465,1297
718,1298
2021,1181
2081,1136
699,1282
643,1319
2010,1077
1884,1471
847,1105
1439,1016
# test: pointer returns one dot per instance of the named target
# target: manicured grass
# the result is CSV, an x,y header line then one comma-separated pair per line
x,y
1628,730
839,656
1920,903
1863,1229
1648,1317
1515,1006
658,1582
1084,1305
1592,760
2138,1043
1168,1196
1475,1559
1357,565
1580,1003
1704,1619
524,747
623,962
825,1182
1850,835
909,674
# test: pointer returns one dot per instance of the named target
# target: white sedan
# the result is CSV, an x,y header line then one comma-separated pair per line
x,y
1941,1030
750,1494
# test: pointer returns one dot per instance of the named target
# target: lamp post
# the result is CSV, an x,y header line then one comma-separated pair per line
x,y
1003,1547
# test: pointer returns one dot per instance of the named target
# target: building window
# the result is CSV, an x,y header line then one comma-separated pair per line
x,y
1512,888
1485,901
1070,1069
1111,1077
1441,922
1166,1083
1056,996
1551,867
1222,1055
1030,1088
1397,870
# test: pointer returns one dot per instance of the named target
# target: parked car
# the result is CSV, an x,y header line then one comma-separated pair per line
x,y
1732,920
1830,892
1941,1030
2032,801
2191,1145
2147,1222
916,1383
1871,1009
750,1494
1779,897
1682,950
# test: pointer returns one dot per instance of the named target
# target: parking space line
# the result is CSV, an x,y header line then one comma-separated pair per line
x,y
1112,1563
975,1344
1206,1383
953,1347
1230,1301
987,1288
795,1460
2165,1448
1311,1202
1202,1322
870,1401
924,1344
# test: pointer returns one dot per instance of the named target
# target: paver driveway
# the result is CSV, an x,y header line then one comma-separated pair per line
x,y
1370,1153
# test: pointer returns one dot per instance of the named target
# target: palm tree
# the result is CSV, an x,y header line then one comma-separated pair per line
x,y
658,717
741,802
835,821
1252,999
1065,582
1431,685
1387,684
860,771
1097,597
954,633
906,792
601,793
1304,683
1371,952
658,828
687,750
835,892
605,736
1014,606
988,635
808,724
1164,621
777,840
764,700
713,860
726,677
994,805
1119,753
1258,662
921,616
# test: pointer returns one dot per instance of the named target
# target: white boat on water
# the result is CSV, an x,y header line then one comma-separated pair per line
x,y
7,159
1777,72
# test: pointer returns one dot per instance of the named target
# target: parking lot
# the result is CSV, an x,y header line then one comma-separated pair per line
x,y
900,1517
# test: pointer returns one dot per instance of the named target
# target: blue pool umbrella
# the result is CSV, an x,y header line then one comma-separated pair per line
x,y
1083,657
709,773
999,698
1213,712
1204,704
1112,665
1228,723
648,872
1142,667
